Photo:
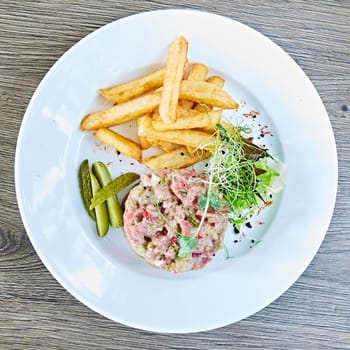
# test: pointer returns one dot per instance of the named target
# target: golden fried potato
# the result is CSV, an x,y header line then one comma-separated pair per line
x,y
207,93
192,120
175,68
198,71
163,145
144,143
216,80
192,138
121,113
120,143
176,159
131,89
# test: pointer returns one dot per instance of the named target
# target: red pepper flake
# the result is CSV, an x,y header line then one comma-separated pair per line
x,y
196,255
267,132
198,217
174,240
199,236
260,222
146,215
268,204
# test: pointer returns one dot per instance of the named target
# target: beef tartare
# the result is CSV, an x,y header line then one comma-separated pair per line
x,y
165,209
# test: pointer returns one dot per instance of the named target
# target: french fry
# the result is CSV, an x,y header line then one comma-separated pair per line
x,y
144,143
204,92
163,145
181,112
120,143
216,80
175,67
190,121
198,71
131,89
192,138
121,113
177,159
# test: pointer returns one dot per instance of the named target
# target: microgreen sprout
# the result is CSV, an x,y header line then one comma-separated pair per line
x,y
240,172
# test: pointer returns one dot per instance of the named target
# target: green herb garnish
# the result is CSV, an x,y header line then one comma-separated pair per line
x,y
186,245
240,170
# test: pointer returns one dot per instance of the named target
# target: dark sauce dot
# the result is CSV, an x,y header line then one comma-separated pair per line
x,y
252,241
182,153
235,241
206,165
118,153
262,135
248,224
344,108
235,229
131,163
120,160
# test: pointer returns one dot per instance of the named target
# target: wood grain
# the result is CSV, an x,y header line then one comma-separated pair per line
x,y
37,313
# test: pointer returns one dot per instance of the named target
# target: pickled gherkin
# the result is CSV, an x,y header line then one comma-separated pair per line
x,y
115,186
102,221
115,213
85,187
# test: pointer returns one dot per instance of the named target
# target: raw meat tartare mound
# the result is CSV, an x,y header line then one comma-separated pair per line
x,y
167,207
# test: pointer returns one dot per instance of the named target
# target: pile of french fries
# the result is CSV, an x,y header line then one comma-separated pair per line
x,y
176,112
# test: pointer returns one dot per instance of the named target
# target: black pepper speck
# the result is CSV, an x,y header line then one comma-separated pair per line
x,y
344,108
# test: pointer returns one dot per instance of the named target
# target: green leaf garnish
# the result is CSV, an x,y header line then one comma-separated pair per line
x,y
202,201
213,201
186,245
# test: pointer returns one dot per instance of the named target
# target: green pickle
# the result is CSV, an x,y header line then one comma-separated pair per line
x,y
102,221
85,187
115,213
113,187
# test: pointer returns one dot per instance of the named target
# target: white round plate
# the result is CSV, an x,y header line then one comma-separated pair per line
x,y
103,273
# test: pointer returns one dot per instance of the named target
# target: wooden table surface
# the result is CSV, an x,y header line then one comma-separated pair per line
x,y
37,313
